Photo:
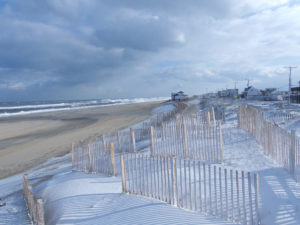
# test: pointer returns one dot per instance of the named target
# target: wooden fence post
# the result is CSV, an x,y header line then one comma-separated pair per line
x,y
40,212
91,157
112,155
31,204
119,141
162,133
256,178
250,198
103,143
185,142
132,139
123,174
25,185
152,140
73,156
175,181
208,118
221,143
213,115
292,152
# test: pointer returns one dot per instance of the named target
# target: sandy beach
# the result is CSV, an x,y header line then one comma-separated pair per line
x,y
26,141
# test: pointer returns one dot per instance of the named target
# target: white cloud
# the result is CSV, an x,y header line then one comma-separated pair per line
x,y
192,44
181,38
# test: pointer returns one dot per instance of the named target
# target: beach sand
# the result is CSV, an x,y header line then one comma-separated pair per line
x,y
28,140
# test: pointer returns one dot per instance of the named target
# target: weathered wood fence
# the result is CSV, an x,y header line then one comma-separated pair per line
x,y
188,139
277,116
193,136
283,146
195,141
205,188
35,206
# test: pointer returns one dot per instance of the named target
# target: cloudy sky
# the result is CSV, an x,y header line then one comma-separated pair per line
x,y
77,49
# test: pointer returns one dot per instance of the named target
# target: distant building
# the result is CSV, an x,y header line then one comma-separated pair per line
x,y
210,95
252,91
269,94
179,96
295,94
229,93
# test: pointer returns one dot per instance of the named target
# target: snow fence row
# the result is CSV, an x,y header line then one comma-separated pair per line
x,y
283,146
183,136
198,142
206,188
34,205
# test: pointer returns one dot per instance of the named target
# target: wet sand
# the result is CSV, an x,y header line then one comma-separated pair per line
x,y
26,141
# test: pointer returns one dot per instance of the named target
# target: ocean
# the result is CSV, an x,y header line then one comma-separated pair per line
x,y
22,108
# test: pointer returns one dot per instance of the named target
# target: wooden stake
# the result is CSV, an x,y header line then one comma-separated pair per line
x,y
152,140
123,174
250,198
238,195
186,142
292,152
244,198
25,185
31,204
213,115
73,157
132,139
40,212
91,158
119,141
226,194
256,177
103,143
208,118
221,143
112,155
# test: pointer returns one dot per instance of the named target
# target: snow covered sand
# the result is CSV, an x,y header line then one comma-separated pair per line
x,y
78,198
280,194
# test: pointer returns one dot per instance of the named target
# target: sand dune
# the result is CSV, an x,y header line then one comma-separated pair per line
x,y
26,141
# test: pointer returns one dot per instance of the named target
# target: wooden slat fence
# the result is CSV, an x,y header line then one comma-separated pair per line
x,y
95,158
205,188
189,140
196,140
283,146
277,116
34,205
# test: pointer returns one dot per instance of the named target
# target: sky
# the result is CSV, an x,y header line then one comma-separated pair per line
x,y
86,49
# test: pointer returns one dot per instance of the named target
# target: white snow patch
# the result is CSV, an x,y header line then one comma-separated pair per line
x,y
164,108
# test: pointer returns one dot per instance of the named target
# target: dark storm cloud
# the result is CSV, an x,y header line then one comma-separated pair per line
x,y
116,48
75,42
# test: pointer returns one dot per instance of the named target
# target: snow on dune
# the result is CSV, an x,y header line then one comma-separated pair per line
x,y
78,198
164,108
279,193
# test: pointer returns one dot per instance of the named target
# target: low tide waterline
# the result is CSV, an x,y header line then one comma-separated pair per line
x,y
28,140
23,108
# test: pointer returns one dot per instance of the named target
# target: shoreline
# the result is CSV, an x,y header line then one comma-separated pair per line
x,y
29,140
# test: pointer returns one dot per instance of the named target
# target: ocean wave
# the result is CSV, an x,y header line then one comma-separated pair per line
x,y
14,109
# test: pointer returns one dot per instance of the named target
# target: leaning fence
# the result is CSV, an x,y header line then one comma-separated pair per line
x,y
34,205
283,146
193,185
